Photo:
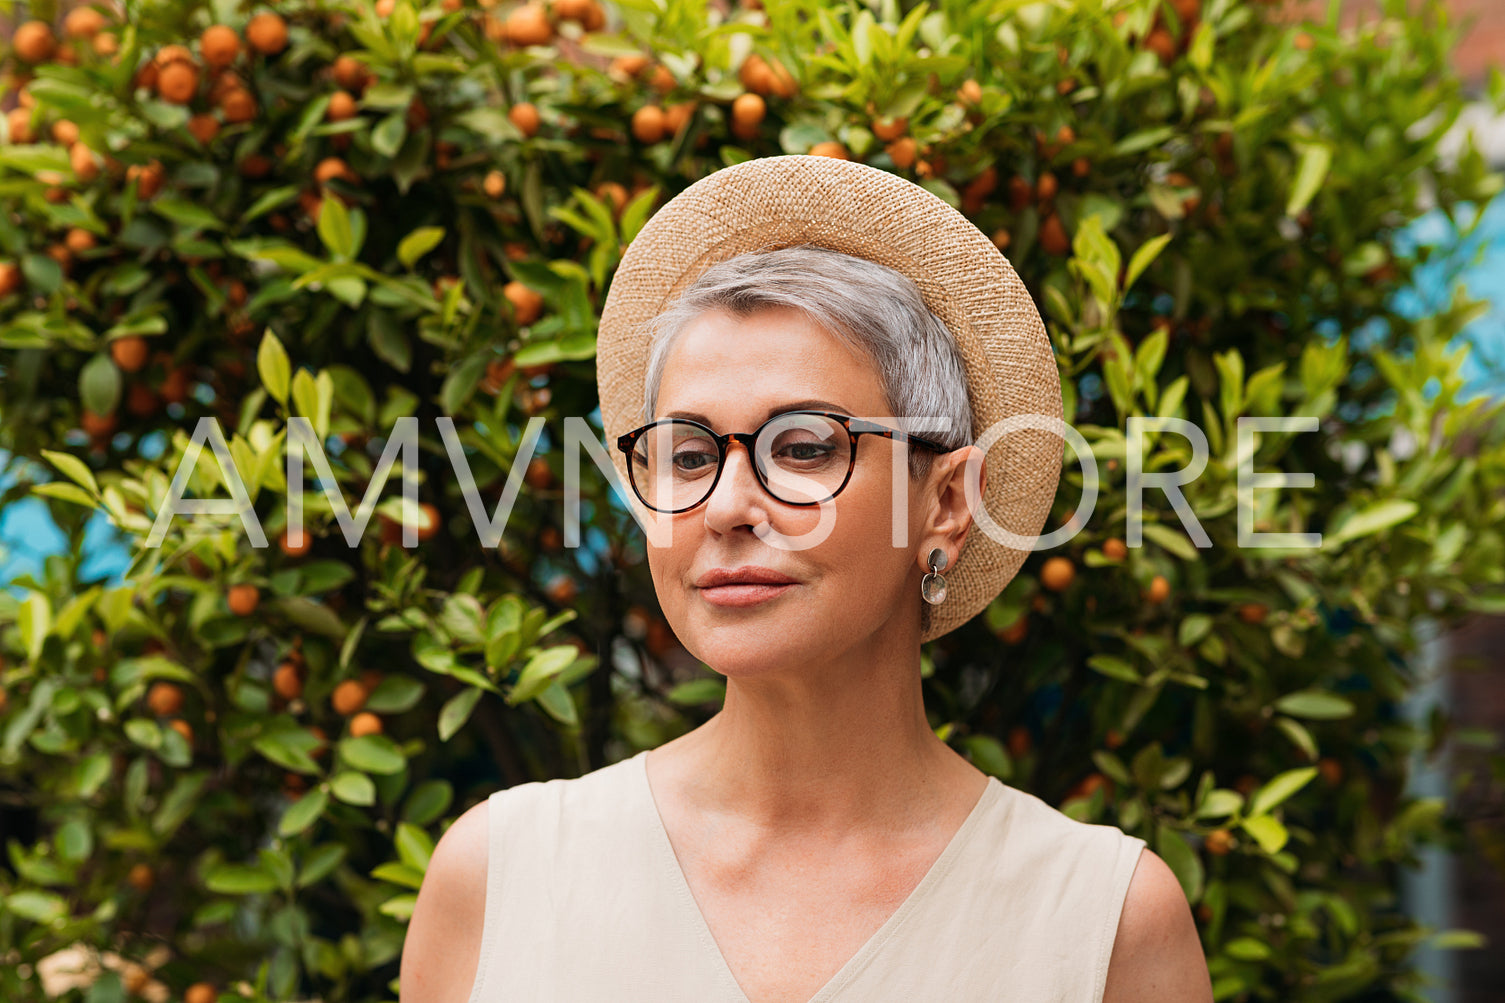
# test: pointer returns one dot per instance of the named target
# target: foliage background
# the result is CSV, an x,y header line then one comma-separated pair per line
x,y
1205,202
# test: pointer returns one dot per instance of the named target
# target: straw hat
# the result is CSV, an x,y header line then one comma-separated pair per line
x,y
865,212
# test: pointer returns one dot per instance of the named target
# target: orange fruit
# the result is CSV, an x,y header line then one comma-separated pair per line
x,y
1046,187
169,54
970,92
648,124
64,132
141,400
1331,770
286,682
203,127
1019,741
83,22
495,184
1020,193
1053,236
177,83
1159,590
432,522
1253,612
563,590
20,125
81,159
129,352
33,42
140,877
902,152
219,45
889,129
1016,631
183,728
1162,44
677,116
1002,238
1057,574
238,106
529,25
1114,549
1218,842
97,425
830,148
661,79
341,107
165,699
1081,167
526,304
10,277
348,697
1114,738
298,551
267,33
200,992
349,72
333,167
628,66
1304,41
574,10
365,723
243,598
748,110
105,44
525,116
539,476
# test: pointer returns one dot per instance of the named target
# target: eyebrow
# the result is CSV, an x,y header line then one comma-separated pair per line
x,y
802,405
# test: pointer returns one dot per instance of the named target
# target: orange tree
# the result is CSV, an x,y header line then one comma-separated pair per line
x,y
224,772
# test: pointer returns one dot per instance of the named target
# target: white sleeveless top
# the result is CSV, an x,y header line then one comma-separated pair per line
x,y
586,901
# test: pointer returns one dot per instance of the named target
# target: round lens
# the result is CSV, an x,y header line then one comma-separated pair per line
x,y
673,465
804,458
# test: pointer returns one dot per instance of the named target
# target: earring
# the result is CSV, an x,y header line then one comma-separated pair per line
x,y
933,585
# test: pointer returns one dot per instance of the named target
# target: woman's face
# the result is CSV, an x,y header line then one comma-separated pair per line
x,y
852,590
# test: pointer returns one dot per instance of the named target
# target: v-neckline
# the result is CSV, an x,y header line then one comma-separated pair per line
x,y
859,960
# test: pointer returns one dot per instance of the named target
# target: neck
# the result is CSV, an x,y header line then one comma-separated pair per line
x,y
824,747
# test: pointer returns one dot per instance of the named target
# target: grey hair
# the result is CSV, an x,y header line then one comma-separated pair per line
x,y
875,310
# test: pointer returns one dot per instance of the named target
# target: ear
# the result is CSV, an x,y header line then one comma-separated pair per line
x,y
949,516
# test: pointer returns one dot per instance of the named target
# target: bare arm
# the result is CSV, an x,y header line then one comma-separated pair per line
x,y
1157,955
443,945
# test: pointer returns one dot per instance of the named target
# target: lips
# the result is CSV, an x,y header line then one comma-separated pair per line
x,y
746,575
744,586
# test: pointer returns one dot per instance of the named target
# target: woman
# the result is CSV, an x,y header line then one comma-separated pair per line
x,y
769,345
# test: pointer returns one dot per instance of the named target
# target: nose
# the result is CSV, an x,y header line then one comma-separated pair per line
x,y
738,499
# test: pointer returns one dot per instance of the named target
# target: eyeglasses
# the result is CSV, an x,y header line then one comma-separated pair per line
x,y
799,457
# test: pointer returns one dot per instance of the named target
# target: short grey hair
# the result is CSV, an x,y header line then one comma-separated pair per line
x,y
874,309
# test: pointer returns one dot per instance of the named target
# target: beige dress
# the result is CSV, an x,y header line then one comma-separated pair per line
x,y
586,901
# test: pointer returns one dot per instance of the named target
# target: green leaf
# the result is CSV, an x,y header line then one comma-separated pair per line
x,y
1172,540
373,754
1114,668
1267,832
394,694
1298,734
39,907
1314,705
558,704
99,385
428,801
74,469
1311,171
418,243
694,692
320,863
1183,862
399,874
1279,789
540,671
335,229
456,711
1371,519
240,879
289,749
273,365
1220,803
353,788
414,847
302,813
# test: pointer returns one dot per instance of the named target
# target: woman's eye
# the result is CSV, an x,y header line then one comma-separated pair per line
x,y
806,451
693,460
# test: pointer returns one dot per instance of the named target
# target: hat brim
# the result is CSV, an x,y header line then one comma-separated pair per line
x,y
866,212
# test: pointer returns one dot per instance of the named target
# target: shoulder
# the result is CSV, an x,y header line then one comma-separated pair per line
x,y
1157,953
442,949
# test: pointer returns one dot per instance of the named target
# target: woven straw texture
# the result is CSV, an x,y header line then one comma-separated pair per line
x,y
860,210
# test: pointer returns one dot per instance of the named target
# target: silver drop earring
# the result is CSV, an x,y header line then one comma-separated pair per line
x,y
933,585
